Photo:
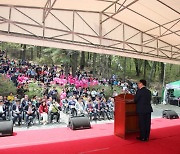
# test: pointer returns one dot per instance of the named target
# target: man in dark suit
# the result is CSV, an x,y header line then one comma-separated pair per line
x,y
144,109
17,112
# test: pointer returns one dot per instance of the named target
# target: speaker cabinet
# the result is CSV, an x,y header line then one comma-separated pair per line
x,y
6,128
79,122
170,114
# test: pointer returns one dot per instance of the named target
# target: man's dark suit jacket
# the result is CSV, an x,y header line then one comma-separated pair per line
x,y
143,100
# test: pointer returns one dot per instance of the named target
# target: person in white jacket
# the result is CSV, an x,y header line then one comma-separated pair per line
x,y
79,106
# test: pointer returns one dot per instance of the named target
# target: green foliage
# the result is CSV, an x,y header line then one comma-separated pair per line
x,y
108,90
58,88
34,90
46,60
55,56
7,86
47,57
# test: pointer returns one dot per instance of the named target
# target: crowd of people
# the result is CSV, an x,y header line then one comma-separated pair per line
x,y
76,98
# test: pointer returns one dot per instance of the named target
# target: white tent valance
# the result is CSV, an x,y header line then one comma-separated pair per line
x,y
145,29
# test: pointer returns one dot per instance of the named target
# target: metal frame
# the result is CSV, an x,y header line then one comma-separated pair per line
x,y
168,6
140,46
47,8
117,9
158,25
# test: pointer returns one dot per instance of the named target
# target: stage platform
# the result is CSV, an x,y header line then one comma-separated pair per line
x,y
165,138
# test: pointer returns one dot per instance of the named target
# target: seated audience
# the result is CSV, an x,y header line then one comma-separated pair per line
x,y
17,112
2,110
30,111
43,110
54,110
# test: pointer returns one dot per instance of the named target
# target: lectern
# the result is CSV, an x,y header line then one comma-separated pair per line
x,y
125,119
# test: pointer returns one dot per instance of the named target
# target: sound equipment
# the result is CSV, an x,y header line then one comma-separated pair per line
x,y
79,122
170,114
170,92
6,128
156,100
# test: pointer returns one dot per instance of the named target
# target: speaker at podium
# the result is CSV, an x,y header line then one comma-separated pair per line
x,y
126,118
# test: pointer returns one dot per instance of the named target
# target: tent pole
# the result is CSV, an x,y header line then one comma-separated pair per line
x,y
164,76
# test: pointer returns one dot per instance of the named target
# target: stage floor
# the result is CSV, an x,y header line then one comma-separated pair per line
x,y
165,138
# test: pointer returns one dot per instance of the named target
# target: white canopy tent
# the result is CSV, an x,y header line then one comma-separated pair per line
x,y
170,86
173,85
145,29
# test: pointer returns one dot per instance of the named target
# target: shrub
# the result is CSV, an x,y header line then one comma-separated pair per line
x,y
108,90
6,86
34,90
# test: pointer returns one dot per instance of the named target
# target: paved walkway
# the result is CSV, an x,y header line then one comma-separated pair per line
x,y
160,107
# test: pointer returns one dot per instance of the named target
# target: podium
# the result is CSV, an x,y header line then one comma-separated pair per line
x,y
125,119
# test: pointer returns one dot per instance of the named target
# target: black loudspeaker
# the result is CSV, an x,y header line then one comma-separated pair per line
x,y
170,92
79,122
170,114
6,128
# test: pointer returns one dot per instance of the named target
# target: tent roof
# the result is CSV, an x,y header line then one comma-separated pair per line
x,y
157,18
173,85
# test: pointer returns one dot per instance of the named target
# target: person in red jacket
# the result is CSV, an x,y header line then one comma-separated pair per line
x,y
43,110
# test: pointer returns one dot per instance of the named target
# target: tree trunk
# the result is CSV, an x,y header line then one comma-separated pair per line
x,y
74,61
124,69
130,65
118,64
32,56
88,59
90,56
94,64
99,65
161,73
67,68
151,73
6,54
103,65
39,51
20,55
106,64
136,61
155,70
144,74
82,61
24,52
109,66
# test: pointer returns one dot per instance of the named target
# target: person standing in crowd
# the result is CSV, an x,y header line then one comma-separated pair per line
x,y
53,93
144,109
24,100
93,94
